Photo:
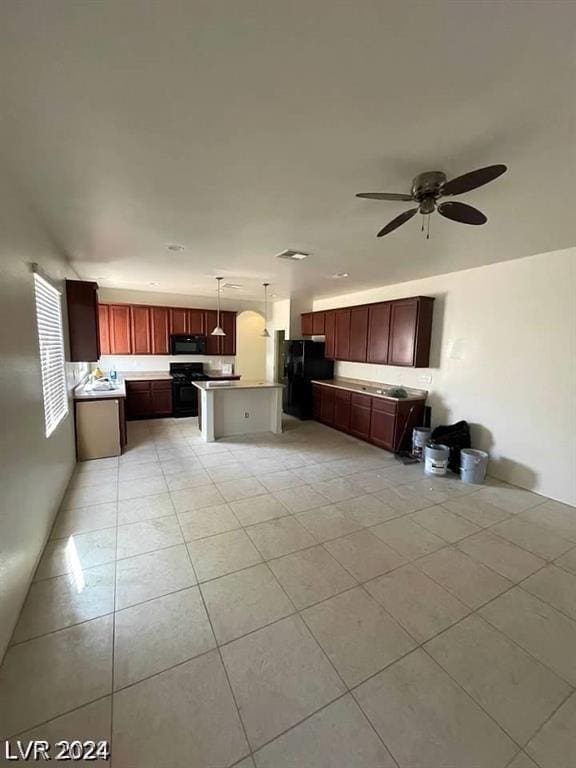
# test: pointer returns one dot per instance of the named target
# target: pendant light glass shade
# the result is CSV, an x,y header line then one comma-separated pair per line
x,y
265,332
218,330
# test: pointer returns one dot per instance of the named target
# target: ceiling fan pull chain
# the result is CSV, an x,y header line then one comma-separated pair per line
x,y
422,230
428,232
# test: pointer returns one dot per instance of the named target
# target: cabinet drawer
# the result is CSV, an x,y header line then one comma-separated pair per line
x,y
364,400
137,386
384,406
161,384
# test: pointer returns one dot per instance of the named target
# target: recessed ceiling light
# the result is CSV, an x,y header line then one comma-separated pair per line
x,y
175,247
340,275
234,286
153,283
292,255
274,295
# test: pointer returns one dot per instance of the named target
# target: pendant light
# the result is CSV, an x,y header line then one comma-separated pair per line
x,y
265,332
218,331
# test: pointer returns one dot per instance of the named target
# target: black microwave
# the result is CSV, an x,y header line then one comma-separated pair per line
x,y
182,344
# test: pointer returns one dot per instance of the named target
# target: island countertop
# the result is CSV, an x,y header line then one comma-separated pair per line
x,y
213,386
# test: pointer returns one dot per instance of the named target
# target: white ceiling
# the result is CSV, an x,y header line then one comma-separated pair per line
x,y
239,128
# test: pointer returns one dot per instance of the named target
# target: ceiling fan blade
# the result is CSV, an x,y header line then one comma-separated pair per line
x,y
461,212
384,196
472,180
397,222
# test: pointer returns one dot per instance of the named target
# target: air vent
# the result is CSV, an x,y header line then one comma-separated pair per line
x,y
292,255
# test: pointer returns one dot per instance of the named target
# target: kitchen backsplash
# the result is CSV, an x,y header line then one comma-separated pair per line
x,y
159,362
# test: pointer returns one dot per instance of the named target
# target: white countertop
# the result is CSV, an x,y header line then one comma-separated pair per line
x,y
373,388
212,386
81,393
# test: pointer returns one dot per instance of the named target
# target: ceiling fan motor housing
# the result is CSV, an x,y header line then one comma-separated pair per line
x,y
428,184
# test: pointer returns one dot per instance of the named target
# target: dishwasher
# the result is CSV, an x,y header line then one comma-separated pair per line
x,y
97,429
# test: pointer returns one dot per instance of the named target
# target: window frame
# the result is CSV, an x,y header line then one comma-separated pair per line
x,y
51,353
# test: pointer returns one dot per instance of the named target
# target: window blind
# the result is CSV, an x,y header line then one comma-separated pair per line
x,y
51,339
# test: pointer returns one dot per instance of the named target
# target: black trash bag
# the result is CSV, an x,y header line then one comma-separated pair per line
x,y
455,436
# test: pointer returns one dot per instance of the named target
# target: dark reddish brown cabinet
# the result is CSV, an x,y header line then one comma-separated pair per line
x,y
358,334
330,334
83,321
378,333
160,330
307,323
318,323
390,333
104,328
342,345
342,400
141,330
119,329
133,329
178,320
148,398
384,422
360,413
410,332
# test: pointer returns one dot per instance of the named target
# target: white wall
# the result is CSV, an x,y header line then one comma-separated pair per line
x,y
34,470
250,346
504,358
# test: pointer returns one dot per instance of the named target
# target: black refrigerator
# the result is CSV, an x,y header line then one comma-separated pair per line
x,y
303,361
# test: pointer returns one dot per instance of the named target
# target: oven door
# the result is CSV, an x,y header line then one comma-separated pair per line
x,y
185,400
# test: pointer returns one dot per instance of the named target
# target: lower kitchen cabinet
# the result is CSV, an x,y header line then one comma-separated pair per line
x,y
342,409
382,423
360,413
148,399
385,423
327,406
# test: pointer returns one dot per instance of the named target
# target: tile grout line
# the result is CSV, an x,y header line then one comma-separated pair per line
x,y
217,648
321,544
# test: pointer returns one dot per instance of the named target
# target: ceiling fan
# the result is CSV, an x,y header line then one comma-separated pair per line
x,y
429,187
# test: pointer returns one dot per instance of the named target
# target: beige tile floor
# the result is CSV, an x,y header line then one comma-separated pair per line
x,y
297,601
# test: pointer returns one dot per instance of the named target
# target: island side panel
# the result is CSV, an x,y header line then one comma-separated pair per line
x,y
243,411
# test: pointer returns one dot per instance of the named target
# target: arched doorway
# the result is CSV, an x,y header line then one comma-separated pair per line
x,y
250,346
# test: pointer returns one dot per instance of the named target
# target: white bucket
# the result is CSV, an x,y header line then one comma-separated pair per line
x,y
473,465
420,436
436,459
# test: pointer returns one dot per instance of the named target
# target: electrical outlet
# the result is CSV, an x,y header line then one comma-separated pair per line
x,y
425,378
246,415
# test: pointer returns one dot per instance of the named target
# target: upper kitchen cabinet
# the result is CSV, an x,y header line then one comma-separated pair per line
x,y
83,320
119,329
160,330
196,322
318,323
104,328
342,347
358,334
307,323
212,342
378,333
228,342
140,330
179,320
388,333
330,334
410,332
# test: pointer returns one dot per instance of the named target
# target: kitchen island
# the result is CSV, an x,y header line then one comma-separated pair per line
x,y
229,408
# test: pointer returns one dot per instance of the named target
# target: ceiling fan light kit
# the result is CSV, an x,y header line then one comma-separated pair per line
x,y
429,187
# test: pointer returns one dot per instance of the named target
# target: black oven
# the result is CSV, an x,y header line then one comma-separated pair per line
x,y
184,393
182,344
